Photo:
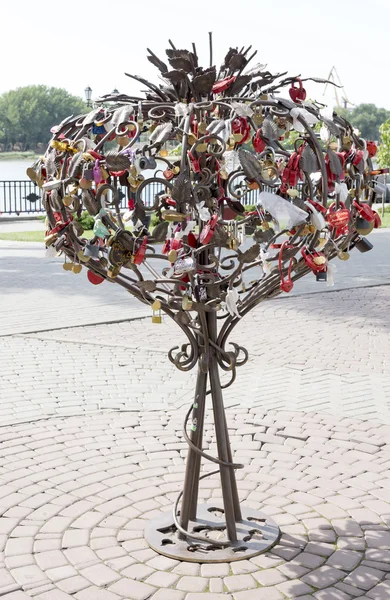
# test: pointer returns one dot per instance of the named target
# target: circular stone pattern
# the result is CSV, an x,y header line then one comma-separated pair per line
x,y
76,495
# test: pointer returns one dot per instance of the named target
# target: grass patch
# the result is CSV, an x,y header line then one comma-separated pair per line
x,y
17,155
33,236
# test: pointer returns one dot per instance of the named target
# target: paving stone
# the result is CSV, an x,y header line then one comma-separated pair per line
x,y
258,594
380,592
331,594
160,578
269,577
100,574
94,593
237,583
323,577
192,584
344,559
294,587
364,578
134,590
169,594
216,569
206,597
378,539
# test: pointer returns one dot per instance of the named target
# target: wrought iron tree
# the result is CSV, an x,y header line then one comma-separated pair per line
x,y
237,134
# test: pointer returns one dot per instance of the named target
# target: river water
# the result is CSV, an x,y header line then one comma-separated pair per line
x,y
13,196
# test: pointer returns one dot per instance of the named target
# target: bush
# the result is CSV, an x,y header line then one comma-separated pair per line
x,y
86,221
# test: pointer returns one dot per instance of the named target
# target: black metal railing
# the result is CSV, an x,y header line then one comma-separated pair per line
x,y
24,197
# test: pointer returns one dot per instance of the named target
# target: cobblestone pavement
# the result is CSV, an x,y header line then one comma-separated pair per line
x,y
37,294
76,494
91,443
334,358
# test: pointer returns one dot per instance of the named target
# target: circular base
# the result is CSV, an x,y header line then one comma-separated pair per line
x,y
256,533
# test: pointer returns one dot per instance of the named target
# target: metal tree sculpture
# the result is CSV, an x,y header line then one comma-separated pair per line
x,y
295,156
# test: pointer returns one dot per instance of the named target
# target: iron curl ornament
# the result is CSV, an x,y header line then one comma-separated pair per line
x,y
209,260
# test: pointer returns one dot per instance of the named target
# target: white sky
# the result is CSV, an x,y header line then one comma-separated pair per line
x,y
73,44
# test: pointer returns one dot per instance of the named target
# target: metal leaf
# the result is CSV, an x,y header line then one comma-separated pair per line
x,y
89,201
156,61
175,76
237,62
160,231
256,70
182,59
335,163
181,191
334,130
204,83
239,84
250,165
162,133
262,237
249,255
50,164
116,161
229,56
74,168
91,116
308,161
121,115
269,129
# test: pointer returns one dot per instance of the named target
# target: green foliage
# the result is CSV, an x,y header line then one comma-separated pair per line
x,y
86,221
384,149
367,118
28,113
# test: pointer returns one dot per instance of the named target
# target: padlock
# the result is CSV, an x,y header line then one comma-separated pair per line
x,y
77,269
97,172
363,245
67,266
113,271
321,276
156,307
186,303
91,251
94,278
297,94
168,174
122,140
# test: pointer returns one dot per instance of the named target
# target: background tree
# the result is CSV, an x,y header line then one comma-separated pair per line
x,y
28,113
384,148
367,118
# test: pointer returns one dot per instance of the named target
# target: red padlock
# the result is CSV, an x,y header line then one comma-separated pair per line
x,y
316,261
166,246
286,285
318,206
365,211
241,125
372,148
297,94
192,240
207,232
139,255
93,278
221,86
258,142
338,218
195,166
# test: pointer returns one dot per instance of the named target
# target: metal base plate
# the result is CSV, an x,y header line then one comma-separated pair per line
x,y
256,533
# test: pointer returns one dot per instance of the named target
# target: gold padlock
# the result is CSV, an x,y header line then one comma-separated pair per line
x,y
76,269
202,127
172,256
202,147
122,140
113,271
104,173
